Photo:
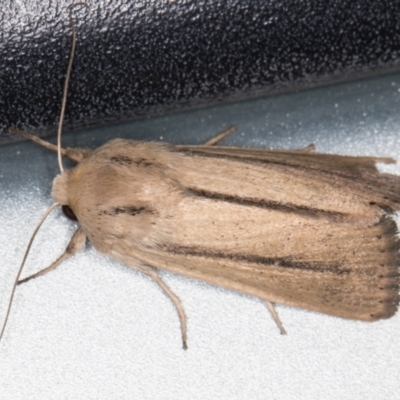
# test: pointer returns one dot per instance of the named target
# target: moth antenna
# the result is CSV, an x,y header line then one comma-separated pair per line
x,y
66,83
49,210
59,154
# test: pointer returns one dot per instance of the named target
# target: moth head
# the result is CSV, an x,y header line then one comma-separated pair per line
x,y
60,194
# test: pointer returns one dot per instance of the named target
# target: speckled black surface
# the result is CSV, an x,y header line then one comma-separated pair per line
x,y
137,58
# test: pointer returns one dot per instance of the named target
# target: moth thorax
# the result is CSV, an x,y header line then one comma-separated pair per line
x,y
60,188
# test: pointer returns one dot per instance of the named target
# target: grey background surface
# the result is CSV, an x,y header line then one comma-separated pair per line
x,y
95,329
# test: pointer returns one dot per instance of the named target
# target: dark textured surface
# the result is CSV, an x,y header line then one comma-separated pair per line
x,y
145,58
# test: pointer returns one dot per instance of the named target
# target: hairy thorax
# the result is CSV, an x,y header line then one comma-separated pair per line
x,y
116,196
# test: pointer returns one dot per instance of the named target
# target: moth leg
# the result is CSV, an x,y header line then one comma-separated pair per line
x,y
308,149
225,133
275,316
152,273
76,243
74,154
220,136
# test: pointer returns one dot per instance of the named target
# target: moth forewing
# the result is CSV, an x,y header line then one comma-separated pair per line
x,y
306,230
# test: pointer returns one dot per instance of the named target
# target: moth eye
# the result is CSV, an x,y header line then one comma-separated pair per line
x,y
69,213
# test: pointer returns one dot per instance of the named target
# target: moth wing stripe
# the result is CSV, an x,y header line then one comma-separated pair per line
x,y
262,203
283,262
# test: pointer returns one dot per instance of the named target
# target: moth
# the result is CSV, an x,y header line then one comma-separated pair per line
x,y
299,228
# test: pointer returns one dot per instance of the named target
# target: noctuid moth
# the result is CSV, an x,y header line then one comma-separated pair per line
x,y
298,228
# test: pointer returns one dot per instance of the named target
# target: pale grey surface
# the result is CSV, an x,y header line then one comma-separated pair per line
x,y
95,329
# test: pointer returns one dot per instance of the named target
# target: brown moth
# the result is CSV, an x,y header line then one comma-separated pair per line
x,y
298,228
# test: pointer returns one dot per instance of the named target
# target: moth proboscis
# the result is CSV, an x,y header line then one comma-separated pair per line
x,y
293,227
